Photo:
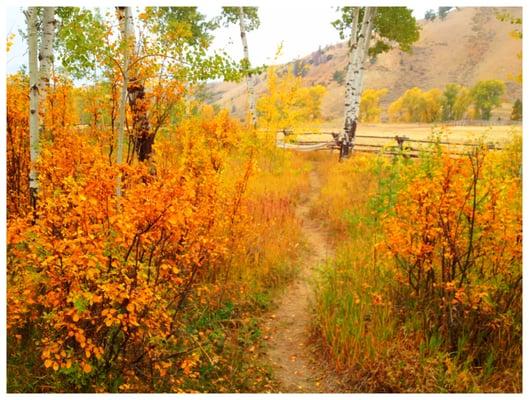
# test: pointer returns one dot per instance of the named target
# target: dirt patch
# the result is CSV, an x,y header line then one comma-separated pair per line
x,y
292,356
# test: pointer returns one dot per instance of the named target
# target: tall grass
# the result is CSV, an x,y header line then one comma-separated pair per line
x,y
373,324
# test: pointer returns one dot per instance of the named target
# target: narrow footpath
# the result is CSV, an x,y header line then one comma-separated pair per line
x,y
293,359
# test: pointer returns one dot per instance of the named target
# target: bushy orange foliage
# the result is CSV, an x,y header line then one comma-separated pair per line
x,y
104,279
424,293
58,111
17,152
98,106
457,239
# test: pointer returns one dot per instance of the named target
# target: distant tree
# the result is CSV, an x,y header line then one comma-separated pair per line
x,y
299,68
289,104
370,104
487,96
443,11
396,112
462,103
391,27
432,105
449,98
338,76
410,107
516,114
417,106
430,15
248,20
317,57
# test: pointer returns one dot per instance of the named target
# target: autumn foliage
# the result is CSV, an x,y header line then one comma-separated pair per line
x,y
17,138
288,104
370,109
430,273
99,285
457,240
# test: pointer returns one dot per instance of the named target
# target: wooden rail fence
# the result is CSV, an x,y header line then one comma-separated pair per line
x,y
389,145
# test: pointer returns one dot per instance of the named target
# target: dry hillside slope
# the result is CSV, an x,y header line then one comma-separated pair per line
x,y
469,45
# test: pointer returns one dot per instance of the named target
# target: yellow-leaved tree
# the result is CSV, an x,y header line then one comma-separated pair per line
x,y
417,106
370,104
288,104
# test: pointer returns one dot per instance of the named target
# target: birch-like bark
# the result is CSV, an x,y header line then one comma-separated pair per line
x,y
357,57
32,26
249,77
46,51
349,87
363,49
124,15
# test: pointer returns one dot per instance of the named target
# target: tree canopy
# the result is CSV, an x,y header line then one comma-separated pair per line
x,y
393,27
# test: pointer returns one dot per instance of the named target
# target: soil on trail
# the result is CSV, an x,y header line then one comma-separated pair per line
x,y
295,364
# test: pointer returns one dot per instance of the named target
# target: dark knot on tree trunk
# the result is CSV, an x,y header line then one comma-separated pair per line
x,y
346,144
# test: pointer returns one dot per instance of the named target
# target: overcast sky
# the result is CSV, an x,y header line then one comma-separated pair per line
x,y
301,30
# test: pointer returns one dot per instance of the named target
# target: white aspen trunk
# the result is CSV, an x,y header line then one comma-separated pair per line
x,y
32,23
363,49
249,78
349,75
124,16
357,56
46,50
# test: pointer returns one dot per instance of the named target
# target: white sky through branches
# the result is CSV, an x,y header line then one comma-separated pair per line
x,y
310,29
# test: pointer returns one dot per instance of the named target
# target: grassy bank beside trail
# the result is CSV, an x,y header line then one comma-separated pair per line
x,y
424,294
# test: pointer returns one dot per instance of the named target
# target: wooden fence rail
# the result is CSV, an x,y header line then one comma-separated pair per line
x,y
395,145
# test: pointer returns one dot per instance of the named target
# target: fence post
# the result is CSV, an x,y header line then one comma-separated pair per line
x,y
400,141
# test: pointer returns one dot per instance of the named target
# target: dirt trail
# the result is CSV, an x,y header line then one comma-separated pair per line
x,y
292,358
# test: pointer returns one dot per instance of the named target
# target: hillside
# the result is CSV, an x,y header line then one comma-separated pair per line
x,y
469,45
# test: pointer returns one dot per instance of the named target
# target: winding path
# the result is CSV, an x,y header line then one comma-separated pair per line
x,y
290,352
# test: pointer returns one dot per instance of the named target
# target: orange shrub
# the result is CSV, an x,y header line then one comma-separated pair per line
x,y
456,237
17,152
97,283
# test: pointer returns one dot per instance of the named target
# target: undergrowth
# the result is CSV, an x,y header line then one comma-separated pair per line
x,y
424,294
